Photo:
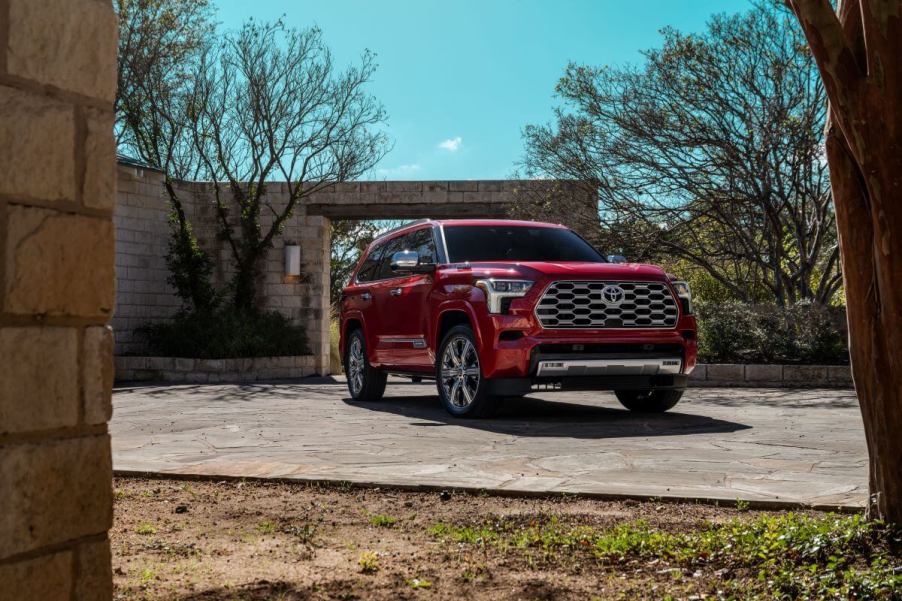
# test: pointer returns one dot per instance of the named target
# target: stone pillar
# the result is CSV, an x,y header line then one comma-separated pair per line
x,y
57,157
320,332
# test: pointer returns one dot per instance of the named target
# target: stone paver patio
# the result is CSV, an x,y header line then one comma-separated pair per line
x,y
765,445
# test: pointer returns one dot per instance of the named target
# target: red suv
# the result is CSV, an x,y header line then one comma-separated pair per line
x,y
492,309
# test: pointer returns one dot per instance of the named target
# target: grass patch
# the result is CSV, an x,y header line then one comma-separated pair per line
x,y
383,521
785,556
266,527
416,583
145,530
368,562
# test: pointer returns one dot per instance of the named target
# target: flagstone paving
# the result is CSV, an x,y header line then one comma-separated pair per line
x,y
764,445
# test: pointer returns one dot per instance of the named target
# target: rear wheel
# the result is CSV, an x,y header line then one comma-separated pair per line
x,y
458,376
649,401
365,383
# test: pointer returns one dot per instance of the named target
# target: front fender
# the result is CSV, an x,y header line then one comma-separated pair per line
x,y
461,305
346,317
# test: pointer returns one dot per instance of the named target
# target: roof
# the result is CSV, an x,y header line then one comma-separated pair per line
x,y
470,222
128,161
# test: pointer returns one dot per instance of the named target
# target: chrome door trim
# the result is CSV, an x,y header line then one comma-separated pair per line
x,y
414,342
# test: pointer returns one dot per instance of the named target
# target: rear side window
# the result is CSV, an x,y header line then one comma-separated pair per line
x,y
367,272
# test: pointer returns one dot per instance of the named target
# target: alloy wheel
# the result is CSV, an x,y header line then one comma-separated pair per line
x,y
460,371
355,365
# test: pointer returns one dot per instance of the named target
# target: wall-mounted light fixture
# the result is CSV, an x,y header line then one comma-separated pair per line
x,y
292,260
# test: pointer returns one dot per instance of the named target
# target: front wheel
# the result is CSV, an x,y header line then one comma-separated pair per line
x,y
458,376
365,383
649,401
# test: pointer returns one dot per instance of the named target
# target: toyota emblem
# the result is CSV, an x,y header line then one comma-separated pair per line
x,y
612,295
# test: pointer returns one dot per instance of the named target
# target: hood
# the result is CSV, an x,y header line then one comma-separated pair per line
x,y
563,270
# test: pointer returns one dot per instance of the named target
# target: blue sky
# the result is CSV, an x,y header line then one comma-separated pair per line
x,y
460,78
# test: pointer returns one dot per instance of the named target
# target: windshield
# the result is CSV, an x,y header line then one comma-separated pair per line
x,y
516,243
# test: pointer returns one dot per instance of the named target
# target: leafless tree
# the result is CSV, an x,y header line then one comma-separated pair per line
x,y
710,152
241,110
857,48
158,40
269,105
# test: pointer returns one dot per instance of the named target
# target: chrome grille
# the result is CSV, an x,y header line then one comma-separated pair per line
x,y
595,305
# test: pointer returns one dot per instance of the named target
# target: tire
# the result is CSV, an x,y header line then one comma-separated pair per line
x,y
365,382
649,401
458,376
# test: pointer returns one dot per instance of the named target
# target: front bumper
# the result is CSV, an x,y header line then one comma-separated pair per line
x,y
520,386
539,359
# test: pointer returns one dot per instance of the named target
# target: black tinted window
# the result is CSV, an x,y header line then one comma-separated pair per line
x,y
422,242
391,247
516,243
367,271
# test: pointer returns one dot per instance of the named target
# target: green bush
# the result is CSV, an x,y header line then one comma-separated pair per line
x,y
225,334
802,333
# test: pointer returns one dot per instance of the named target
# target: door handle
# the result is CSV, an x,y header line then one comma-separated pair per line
x,y
395,292
366,296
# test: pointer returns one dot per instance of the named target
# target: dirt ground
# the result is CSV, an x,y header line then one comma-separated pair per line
x,y
190,540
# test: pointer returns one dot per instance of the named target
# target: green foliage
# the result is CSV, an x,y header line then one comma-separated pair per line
x,y
785,556
417,583
266,527
226,333
190,268
801,333
368,562
383,521
145,529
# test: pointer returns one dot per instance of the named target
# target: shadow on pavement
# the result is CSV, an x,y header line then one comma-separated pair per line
x,y
537,417
785,398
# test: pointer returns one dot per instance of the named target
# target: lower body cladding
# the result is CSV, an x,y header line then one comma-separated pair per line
x,y
596,373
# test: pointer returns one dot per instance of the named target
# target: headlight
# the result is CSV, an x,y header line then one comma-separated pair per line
x,y
496,290
684,294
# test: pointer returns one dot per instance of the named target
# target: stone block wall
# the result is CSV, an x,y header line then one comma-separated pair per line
x,y
143,233
57,85
770,376
142,240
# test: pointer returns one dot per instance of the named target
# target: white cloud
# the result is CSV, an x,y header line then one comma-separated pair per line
x,y
451,144
399,171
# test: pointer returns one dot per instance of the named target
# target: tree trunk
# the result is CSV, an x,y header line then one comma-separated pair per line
x,y
872,280
244,283
857,50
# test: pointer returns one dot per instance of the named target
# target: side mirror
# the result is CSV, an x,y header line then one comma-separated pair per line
x,y
617,259
409,260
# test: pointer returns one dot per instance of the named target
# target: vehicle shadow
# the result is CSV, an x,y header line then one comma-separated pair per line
x,y
535,416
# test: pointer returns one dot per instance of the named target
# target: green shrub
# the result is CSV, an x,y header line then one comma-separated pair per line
x,y
225,334
801,333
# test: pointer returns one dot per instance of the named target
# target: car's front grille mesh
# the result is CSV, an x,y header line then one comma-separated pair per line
x,y
599,304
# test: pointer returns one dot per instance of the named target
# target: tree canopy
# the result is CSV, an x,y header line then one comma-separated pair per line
x,y
711,152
